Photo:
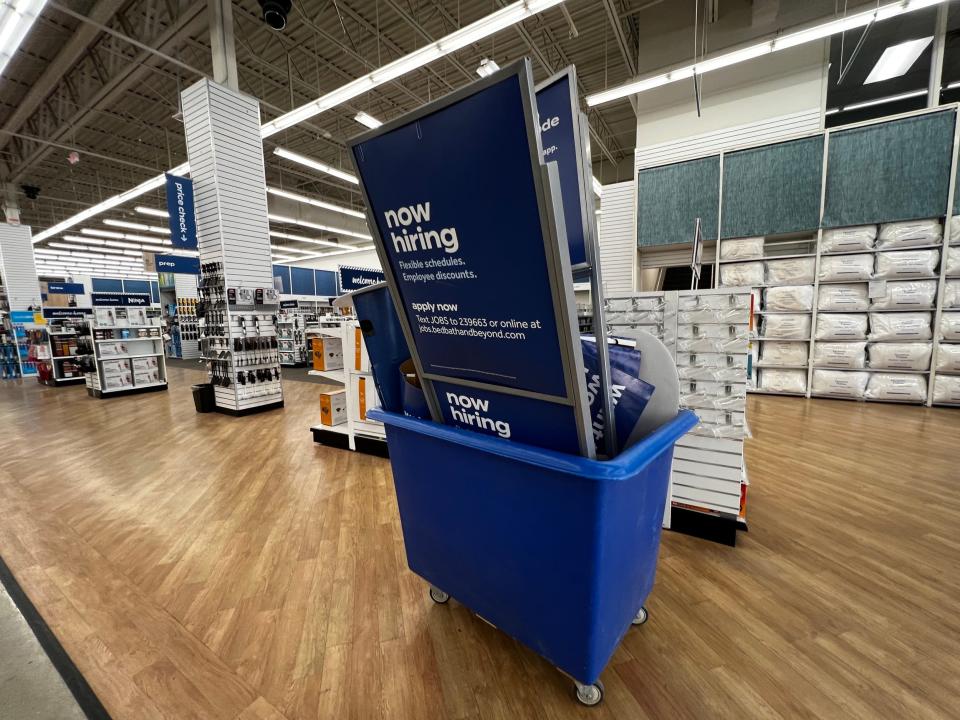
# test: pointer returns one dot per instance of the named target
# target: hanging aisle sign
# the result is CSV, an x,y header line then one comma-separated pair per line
x,y
54,313
177,264
355,278
473,246
183,219
119,299
65,288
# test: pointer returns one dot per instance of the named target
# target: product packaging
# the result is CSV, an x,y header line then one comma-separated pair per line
x,y
788,298
333,407
846,268
900,326
840,354
909,234
841,327
899,386
901,356
741,249
848,239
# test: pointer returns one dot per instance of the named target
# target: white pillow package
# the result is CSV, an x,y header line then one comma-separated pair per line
x,y
897,386
953,261
847,239
741,274
906,264
848,298
788,298
741,249
900,326
946,389
909,234
840,383
786,381
795,271
841,268
948,358
950,326
907,295
901,356
844,354
955,229
783,353
841,327
951,294
786,327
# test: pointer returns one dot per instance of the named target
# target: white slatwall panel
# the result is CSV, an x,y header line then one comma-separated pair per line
x,y
618,237
19,270
185,286
763,132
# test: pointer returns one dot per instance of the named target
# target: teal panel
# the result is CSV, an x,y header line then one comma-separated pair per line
x,y
672,197
956,187
897,170
772,189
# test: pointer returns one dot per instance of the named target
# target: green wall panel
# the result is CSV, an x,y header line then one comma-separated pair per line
x,y
897,170
772,189
670,198
956,195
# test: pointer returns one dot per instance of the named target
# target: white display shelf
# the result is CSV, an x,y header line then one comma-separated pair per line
x,y
341,429
127,327
338,375
776,339
782,312
780,367
130,339
132,387
104,358
760,391
825,396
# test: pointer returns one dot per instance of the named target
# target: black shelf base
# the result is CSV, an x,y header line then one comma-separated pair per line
x,y
100,395
249,411
368,446
707,526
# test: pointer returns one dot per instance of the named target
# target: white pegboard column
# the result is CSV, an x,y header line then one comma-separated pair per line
x,y
618,237
225,151
18,267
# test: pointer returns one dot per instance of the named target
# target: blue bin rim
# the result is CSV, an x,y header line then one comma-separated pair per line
x,y
625,465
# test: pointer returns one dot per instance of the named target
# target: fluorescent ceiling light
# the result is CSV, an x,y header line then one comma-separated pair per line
x,y
125,224
315,164
832,111
897,60
301,238
487,67
368,120
317,203
788,40
317,226
16,19
151,211
146,239
359,248
884,100
597,187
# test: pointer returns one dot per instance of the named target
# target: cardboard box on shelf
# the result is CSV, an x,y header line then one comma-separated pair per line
x,y
144,364
114,368
364,394
333,407
361,360
327,353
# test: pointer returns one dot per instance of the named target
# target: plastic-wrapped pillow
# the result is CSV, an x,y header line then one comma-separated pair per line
x,y
848,298
844,354
741,274
786,327
789,298
953,262
848,239
906,264
909,234
795,271
841,327
901,356
950,326
840,383
907,295
785,381
897,386
741,249
783,353
948,358
946,389
951,294
955,229
900,326
839,268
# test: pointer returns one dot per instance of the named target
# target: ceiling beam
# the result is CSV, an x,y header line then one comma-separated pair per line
x,y
629,58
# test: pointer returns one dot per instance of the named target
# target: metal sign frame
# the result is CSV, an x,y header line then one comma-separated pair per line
x,y
556,256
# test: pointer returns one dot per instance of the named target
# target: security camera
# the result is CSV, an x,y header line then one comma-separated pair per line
x,y
31,191
275,12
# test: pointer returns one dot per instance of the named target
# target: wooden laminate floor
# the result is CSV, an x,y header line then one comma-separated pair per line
x,y
203,566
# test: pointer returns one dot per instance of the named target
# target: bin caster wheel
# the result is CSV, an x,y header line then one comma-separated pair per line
x,y
590,695
641,617
438,596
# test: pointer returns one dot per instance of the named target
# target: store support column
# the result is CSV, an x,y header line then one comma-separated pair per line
x,y
23,296
225,150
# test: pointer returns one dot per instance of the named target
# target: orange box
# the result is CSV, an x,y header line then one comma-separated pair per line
x,y
333,407
327,353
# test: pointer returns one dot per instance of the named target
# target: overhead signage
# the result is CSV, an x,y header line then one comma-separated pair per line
x,y
560,136
183,219
64,288
119,299
477,263
355,278
21,316
177,264
57,313
289,304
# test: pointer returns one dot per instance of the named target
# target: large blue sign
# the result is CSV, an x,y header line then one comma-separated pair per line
x,y
474,260
119,299
355,278
177,264
183,219
560,137
64,288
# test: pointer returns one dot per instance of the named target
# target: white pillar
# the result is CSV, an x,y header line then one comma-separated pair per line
x,y
936,56
19,270
221,43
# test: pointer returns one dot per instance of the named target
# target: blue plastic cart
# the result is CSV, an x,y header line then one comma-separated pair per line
x,y
558,551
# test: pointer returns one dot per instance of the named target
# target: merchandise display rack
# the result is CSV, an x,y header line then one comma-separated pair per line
x,y
126,345
67,345
291,327
708,334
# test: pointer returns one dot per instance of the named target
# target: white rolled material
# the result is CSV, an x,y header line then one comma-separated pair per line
x,y
901,356
900,326
846,268
848,298
842,355
907,295
841,327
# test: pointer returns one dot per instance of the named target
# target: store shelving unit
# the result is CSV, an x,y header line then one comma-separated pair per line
x,y
291,326
67,345
127,350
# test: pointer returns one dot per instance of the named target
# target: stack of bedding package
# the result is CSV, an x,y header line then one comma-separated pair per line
x,y
877,296
946,385
783,300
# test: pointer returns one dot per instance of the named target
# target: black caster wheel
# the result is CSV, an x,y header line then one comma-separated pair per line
x,y
438,596
641,618
590,695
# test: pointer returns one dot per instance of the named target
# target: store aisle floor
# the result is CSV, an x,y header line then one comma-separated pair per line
x,y
203,566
